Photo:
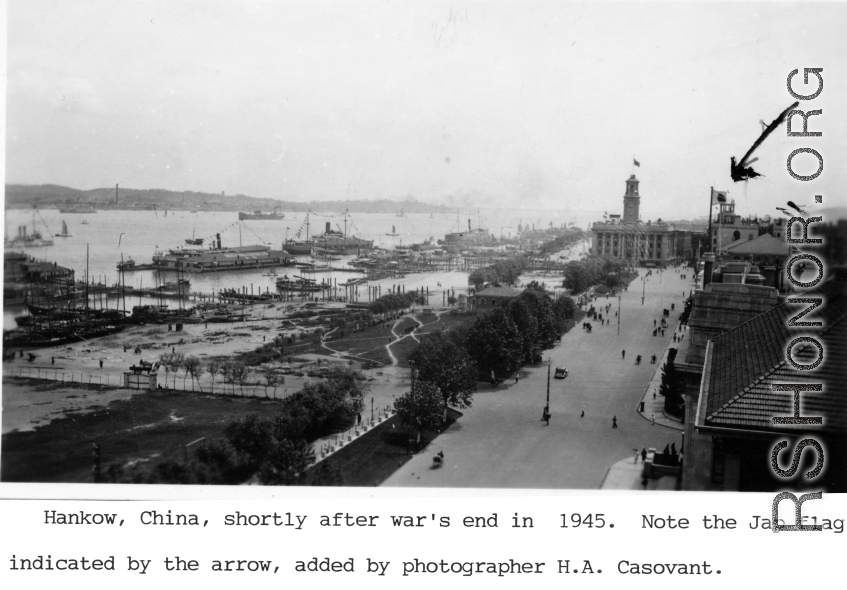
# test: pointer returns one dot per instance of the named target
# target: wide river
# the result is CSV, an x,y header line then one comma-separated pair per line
x,y
138,234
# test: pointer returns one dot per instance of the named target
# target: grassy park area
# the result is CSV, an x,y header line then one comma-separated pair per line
x,y
148,425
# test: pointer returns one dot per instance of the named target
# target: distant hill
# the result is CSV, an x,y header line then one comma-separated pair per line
x,y
46,196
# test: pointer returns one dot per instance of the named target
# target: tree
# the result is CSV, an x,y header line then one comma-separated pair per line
x,y
564,310
578,276
176,360
421,408
494,342
214,368
239,373
286,462
527,324
541,306
165,361
447,366
226,371
252,436
350,383
273,378
194,368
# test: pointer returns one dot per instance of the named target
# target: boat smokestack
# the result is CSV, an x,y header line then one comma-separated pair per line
x,y
469,225
218,236
328,227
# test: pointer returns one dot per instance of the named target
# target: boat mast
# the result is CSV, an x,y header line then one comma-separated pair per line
x,y
86,276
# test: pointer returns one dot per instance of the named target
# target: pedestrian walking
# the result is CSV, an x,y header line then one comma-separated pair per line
x,y
643,455
654,324
636,456
101,363
359,419
52,360
614,421
516,378
582,414
173,350
652,417
623,354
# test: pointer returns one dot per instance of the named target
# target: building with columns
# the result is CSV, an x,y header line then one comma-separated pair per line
x,y
628,238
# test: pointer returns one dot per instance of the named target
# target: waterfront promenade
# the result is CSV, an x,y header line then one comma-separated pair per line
x,y
502,442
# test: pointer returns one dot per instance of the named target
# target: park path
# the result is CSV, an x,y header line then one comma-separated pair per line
x,y
411,334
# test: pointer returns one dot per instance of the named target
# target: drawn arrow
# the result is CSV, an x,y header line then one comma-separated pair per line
x,y
741,170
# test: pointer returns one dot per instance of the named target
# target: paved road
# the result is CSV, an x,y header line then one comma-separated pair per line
x,y
502,442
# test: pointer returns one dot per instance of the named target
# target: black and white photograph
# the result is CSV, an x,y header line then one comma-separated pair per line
x,y
483,245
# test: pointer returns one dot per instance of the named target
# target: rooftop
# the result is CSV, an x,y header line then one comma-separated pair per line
x,y
764,245
745,362
498,290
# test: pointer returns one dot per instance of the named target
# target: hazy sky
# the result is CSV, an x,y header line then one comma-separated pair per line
x,y
531,104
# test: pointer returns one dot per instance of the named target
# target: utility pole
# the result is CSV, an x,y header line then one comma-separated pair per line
x,y
547,405
411,404
619,315
643,288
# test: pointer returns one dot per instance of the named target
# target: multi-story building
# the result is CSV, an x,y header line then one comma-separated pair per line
x,y
731,403
628,238
730,229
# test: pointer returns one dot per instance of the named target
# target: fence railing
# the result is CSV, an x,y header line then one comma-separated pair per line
x,y
252,388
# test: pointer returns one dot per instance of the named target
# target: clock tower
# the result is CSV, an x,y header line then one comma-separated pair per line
x,y
631,201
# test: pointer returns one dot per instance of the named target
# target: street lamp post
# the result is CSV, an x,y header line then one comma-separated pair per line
x,y
643,288
547,405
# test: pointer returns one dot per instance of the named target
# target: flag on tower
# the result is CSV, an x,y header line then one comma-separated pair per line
x,y
636,163
719,197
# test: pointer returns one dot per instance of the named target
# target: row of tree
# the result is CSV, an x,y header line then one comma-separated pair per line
x,y
582,274
394,302
447,365
503,339
505,271
233,372
274,448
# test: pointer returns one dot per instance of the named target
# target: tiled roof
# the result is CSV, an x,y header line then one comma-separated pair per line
x,y
732,245
746,361
498,290
765,245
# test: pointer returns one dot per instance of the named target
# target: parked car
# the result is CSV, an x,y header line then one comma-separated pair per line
x,y
561,373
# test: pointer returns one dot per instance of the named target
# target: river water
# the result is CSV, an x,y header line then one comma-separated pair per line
x,y
138,234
